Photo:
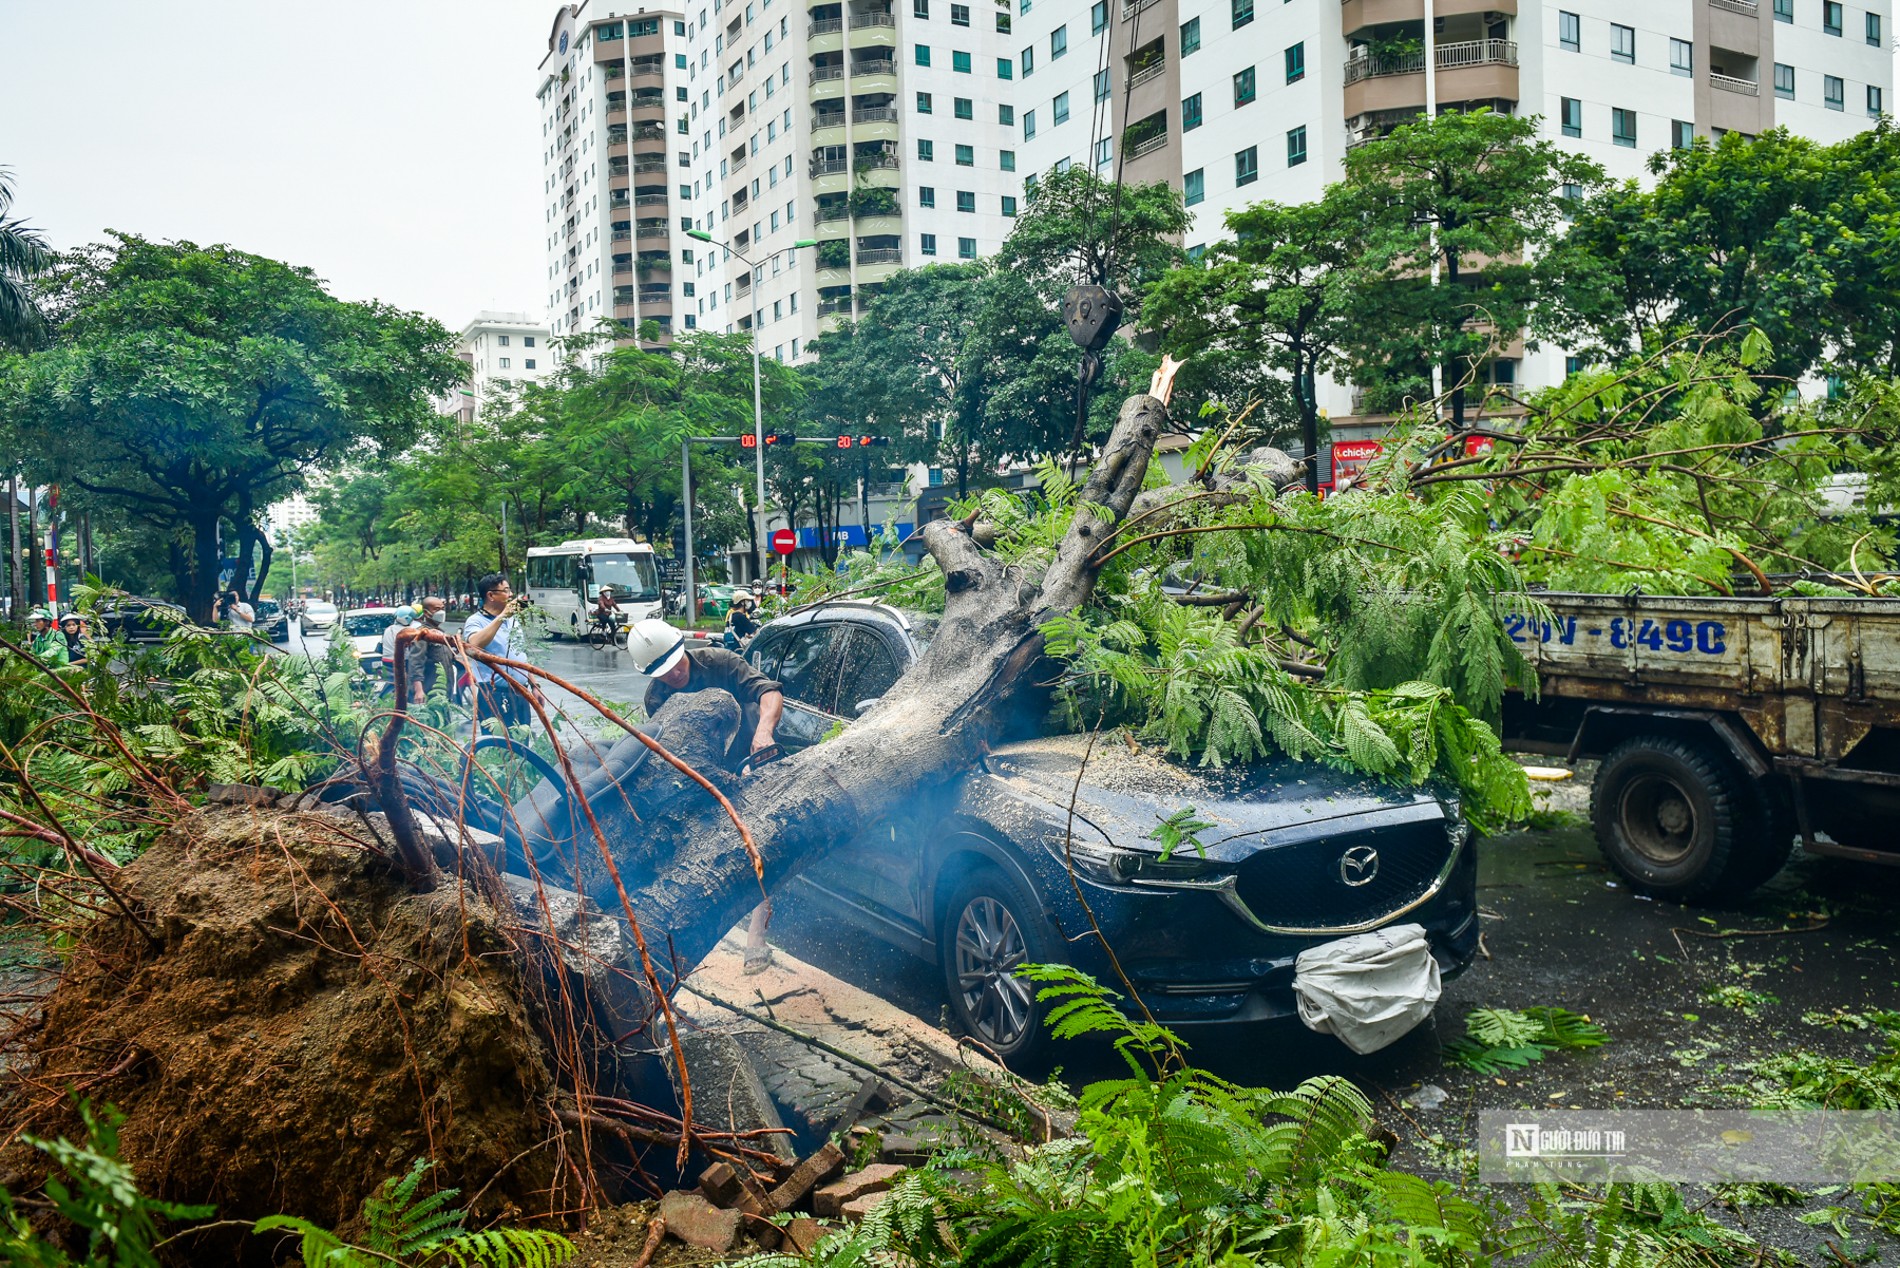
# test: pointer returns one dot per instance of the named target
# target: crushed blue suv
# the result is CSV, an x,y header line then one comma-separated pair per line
x,y
978,879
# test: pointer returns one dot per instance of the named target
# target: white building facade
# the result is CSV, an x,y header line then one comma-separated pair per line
x,y
502,348
1239,101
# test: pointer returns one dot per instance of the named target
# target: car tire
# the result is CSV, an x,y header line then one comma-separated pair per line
x,y
1679,821
989,926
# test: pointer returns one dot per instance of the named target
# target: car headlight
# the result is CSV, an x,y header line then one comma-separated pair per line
x,y
1111,865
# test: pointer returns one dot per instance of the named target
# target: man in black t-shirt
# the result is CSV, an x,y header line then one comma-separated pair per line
x,y
659,651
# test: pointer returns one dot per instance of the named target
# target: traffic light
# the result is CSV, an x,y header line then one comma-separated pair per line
x,y
868,441
748,441
773,438
844,442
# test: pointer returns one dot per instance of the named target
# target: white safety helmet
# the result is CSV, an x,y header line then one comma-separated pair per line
x,y
405,615
655,646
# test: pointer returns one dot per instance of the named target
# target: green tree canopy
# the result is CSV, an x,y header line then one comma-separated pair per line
x,y
192,384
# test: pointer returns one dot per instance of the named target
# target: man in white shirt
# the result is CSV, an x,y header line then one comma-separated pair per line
x,y
405,617
494,628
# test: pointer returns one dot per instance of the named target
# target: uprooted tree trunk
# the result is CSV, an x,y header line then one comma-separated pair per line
x,y
692,875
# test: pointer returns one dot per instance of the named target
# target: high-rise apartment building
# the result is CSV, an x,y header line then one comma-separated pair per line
x,y
883,130
1236,101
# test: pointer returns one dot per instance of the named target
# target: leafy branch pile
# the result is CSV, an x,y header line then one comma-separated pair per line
x,y
1500,1039
1174,1166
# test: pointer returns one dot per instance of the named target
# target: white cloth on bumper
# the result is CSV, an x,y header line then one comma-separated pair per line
x,y
1368,989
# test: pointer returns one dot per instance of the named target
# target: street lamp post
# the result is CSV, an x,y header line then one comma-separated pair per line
x,y
758,400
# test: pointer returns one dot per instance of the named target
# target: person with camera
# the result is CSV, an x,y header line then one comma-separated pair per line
x,y
495,628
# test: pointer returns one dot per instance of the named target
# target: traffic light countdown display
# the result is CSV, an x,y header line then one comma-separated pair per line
x,y
749,441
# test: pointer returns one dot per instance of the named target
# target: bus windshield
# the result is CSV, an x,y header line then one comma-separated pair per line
x,y
631,576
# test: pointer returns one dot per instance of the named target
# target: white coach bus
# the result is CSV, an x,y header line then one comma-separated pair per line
x,y
564,581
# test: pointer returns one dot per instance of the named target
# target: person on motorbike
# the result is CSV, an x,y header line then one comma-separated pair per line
x,y
741,623
47,643
607,610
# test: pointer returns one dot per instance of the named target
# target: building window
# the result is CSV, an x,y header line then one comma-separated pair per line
x,y
1006,115
966,156
926,151
924,103
504,363
921,54
1784,81
1247,166
966,248
1009,205
927,244
1029,62
1006,160
920,9
1104,152
1681,57
1296,146
1681,134
960,63
1873,30
1098,16
1831,16
966,200
1873,100
1570,111
959,15
1570,192
963,107
527,341
1296,63
1570,30
1190,36
1622,42
1101,85
926,195
1243,87
1002,24
1834,90
1058,41
1194,186
502,340
1784,10
1623,127
1243,13
1005,68
1059,108
1029,124
1191,112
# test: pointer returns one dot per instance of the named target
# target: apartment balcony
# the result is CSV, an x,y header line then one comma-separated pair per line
x,y
1152,71
881,255
649,200
1356,15
653,69
1728,83
735,165
655,292
652,232
874,114
1131,7
877,162
828,307
1468,70
885,224
829,167
616,105
1747,8
874,74
826,75
618,202
643,163
829,215
622,270
620,235
824,26
1147,145
651,104
825,121
874,123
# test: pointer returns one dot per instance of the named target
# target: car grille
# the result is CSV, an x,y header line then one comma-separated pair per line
x,y
1299,885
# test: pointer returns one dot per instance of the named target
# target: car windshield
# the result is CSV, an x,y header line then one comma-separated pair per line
x,y
631,576
368,626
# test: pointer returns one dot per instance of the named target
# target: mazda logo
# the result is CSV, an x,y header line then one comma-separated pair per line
x,y
1359,865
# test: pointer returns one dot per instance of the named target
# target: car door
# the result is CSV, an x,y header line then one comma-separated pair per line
x,y
806,665
885,864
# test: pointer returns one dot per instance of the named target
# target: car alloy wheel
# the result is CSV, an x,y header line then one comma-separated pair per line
x,y
989,947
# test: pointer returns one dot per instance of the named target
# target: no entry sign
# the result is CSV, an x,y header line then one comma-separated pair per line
x,y
784,541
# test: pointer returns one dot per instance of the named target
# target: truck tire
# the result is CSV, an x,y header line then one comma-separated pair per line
x,y
1678,821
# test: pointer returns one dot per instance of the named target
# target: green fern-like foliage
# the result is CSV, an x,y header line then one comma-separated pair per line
x,y
1499,1039
407,1227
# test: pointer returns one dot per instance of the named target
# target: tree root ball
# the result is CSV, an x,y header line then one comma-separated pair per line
x,y
304,1027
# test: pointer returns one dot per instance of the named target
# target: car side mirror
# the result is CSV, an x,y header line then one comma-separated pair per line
x,y
857,710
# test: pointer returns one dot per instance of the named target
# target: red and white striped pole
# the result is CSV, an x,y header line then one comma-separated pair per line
x,y
52,547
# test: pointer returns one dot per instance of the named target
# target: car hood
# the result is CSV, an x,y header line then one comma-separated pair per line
x,y
1124,794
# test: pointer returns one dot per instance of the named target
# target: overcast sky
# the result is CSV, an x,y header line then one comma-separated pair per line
x,y
390,145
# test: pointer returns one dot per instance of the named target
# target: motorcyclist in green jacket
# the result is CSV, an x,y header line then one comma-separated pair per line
x,y
48,644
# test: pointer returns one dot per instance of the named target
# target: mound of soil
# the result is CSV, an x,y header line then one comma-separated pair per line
x,y
303,1027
